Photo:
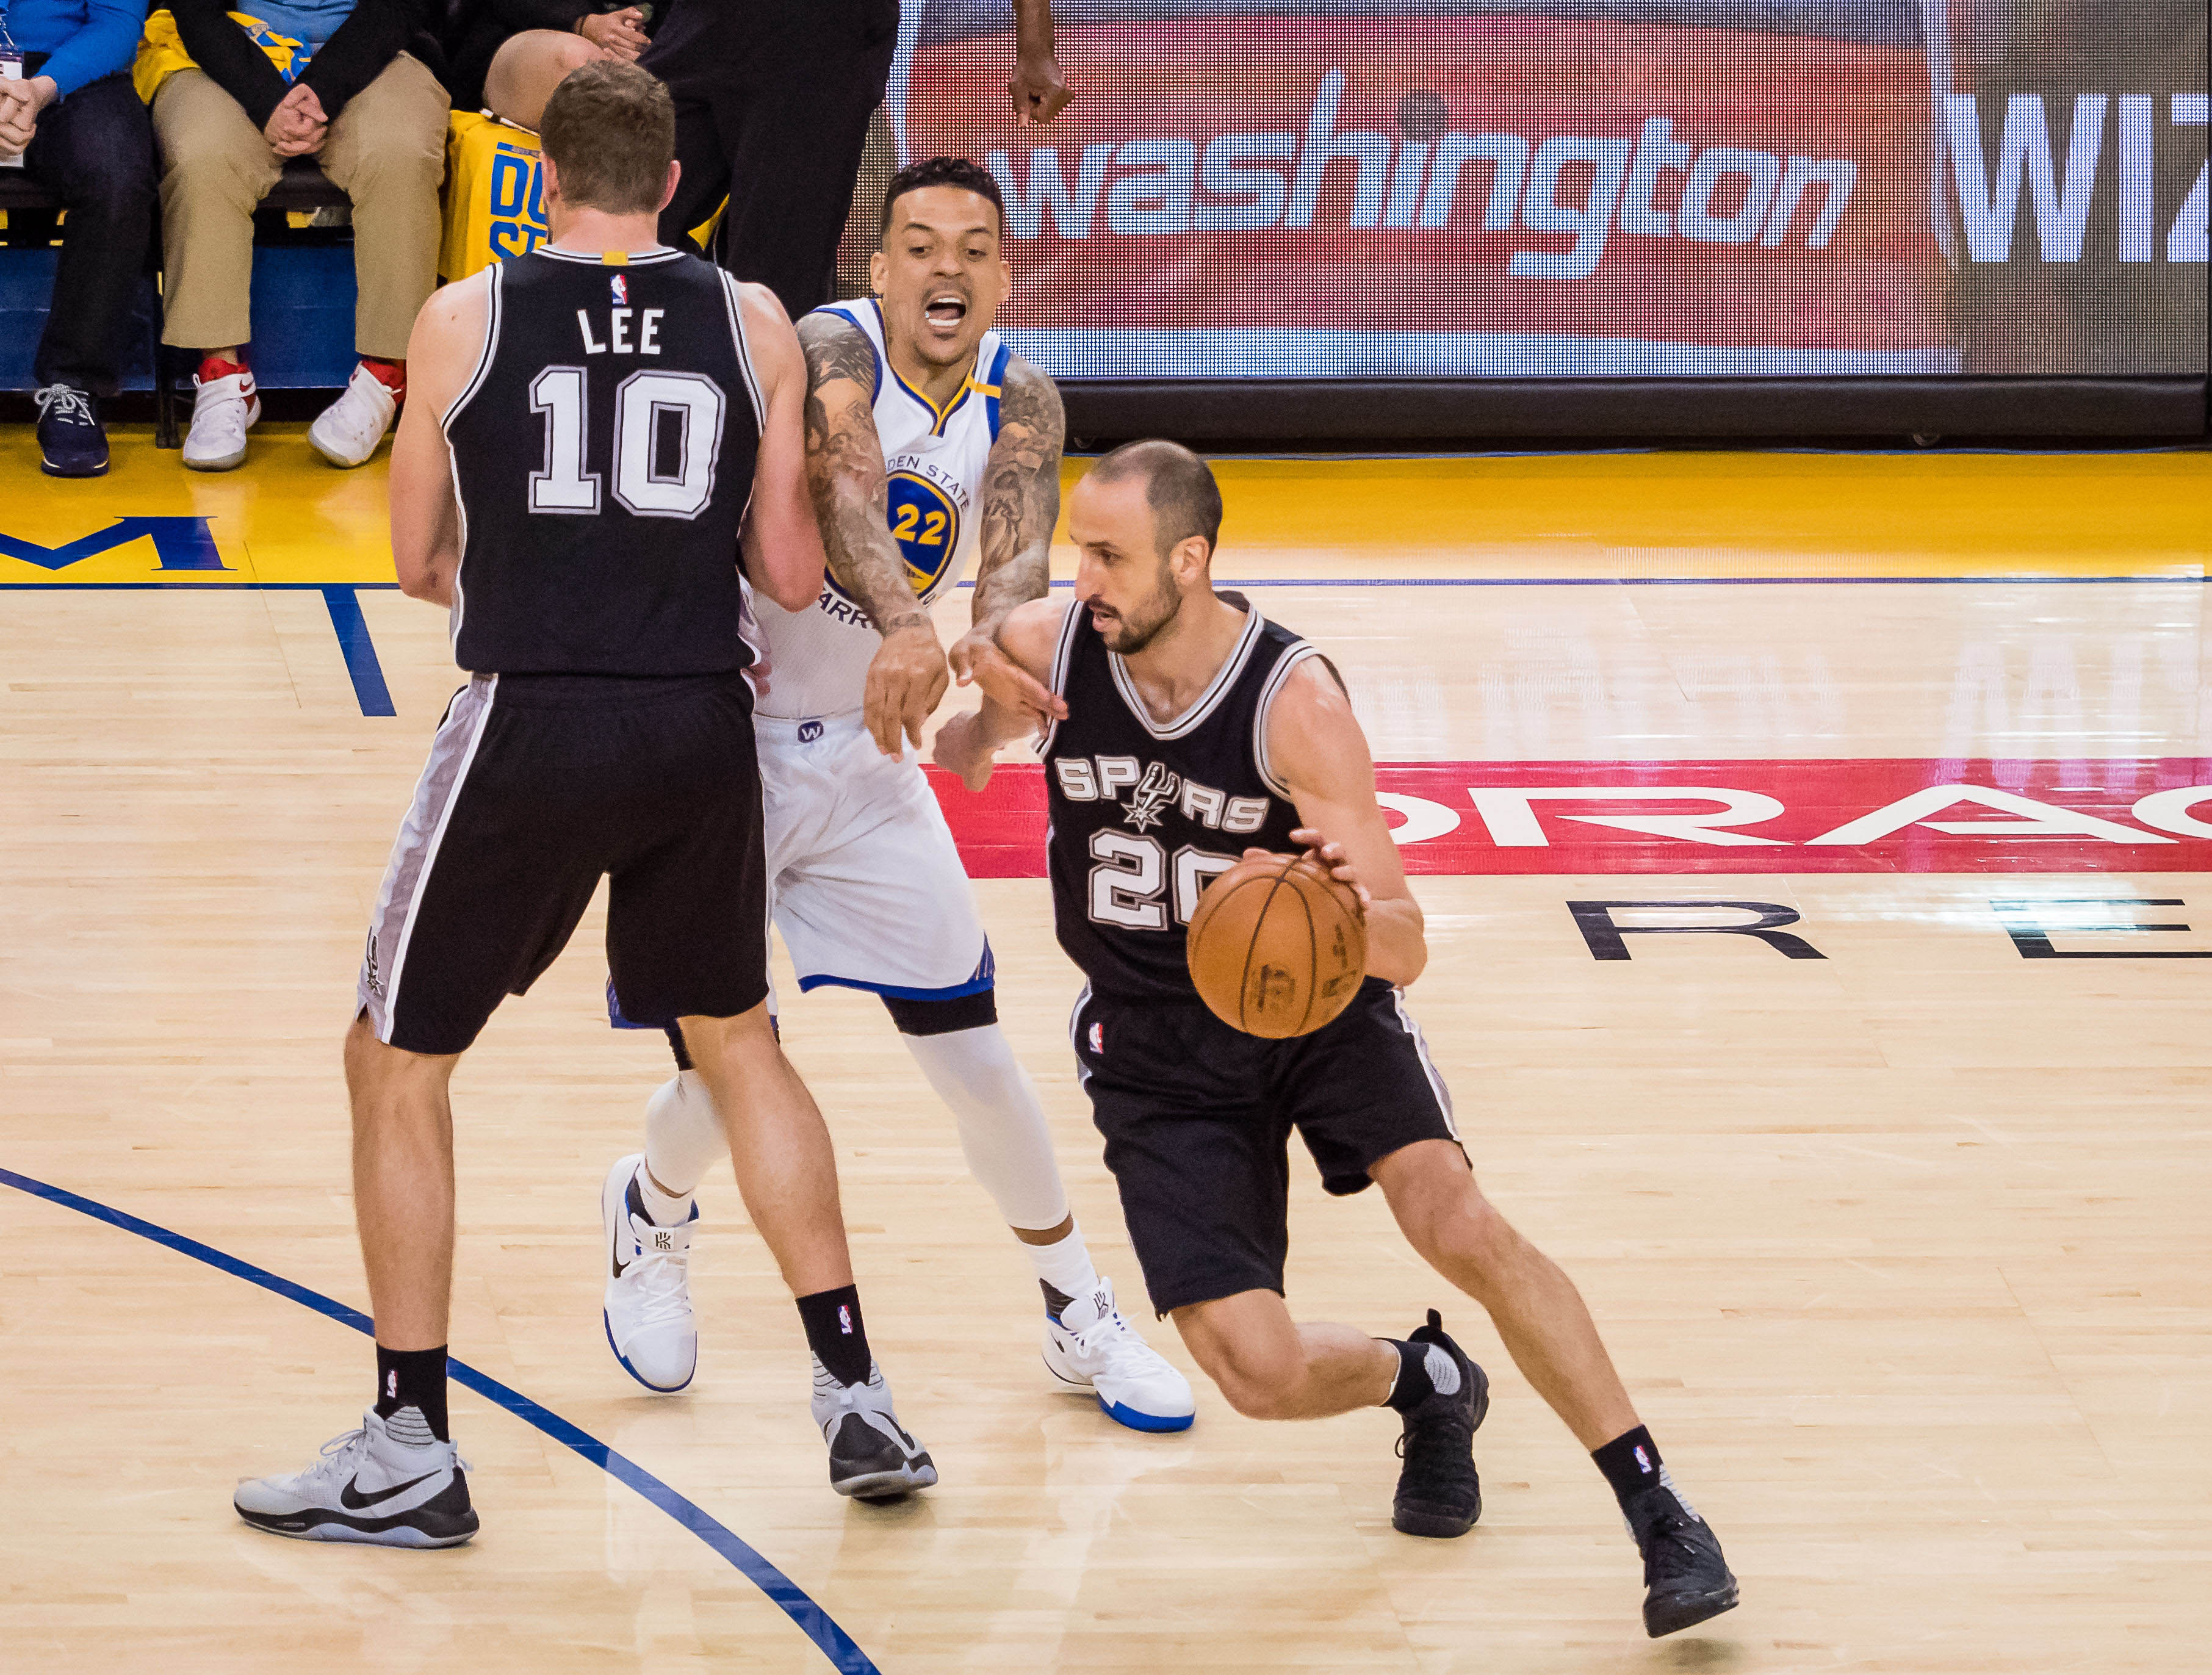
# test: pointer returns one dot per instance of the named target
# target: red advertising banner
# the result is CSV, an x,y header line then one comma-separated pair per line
x,y
1735,817
1309,189
1495,194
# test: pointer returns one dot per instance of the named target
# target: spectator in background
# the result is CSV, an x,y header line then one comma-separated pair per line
x,y
85,138
359,94
773,99
507,56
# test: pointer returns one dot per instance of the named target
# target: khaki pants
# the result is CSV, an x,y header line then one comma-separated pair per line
x,y
387,151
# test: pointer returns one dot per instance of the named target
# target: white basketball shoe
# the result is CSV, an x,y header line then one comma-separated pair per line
x,y
648,1309
369,1485
348,431
1091,1348
223,411
872,1456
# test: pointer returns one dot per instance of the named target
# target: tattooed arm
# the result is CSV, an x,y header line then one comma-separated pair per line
x,y
845,474
1020,505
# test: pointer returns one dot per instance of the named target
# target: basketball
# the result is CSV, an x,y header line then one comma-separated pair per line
x,y
1277,947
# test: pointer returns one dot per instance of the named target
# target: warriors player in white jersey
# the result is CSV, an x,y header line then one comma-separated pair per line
x,y
929,440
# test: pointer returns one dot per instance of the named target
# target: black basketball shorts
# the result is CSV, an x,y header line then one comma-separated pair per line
x,y
537,786
1198,1119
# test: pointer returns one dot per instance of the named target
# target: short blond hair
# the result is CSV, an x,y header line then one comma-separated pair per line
x,y
610,129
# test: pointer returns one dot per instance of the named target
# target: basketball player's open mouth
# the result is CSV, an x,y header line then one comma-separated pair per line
x,y
946,310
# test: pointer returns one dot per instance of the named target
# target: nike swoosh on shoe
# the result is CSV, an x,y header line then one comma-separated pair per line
x,y
353,1502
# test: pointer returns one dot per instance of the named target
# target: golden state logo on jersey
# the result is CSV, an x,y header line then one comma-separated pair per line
x,y
925,523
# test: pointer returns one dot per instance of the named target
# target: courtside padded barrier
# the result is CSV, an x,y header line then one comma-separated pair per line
x,y
1640,410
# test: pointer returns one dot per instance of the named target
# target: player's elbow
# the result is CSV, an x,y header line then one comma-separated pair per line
x,y
794,586
420,580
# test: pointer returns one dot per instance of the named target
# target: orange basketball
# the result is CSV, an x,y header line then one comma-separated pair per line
x,y
1277,947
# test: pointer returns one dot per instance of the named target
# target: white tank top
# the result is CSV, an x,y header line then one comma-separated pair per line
x,y
818,657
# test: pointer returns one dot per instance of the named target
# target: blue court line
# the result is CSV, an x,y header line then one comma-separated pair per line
x,y
359,652
817,1625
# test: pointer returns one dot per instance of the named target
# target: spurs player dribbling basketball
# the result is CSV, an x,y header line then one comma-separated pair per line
x,y
1194,729
928,441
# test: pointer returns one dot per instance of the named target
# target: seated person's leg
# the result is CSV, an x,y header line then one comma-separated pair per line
x,y
387,150
215,167
527,69
95,150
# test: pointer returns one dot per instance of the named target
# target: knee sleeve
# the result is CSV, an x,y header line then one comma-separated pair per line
x,y
1002,1127
683,1135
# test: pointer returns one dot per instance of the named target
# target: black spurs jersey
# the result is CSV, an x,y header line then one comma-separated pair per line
x,y
1143,814
603,456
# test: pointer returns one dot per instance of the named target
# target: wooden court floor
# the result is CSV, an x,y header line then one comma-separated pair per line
x,y
1902,1249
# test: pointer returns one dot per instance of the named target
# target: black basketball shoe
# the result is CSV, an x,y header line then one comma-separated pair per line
x,y
1438,1492
1687,1579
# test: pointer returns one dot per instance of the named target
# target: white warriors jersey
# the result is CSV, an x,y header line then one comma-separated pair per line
x,y
818,657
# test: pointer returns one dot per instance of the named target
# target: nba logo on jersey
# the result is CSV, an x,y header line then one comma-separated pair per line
x,y
1099,1039
620,286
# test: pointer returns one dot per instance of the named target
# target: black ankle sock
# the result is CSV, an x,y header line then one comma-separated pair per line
x,y
836,1334
415,1379
1630,1464
1415,1386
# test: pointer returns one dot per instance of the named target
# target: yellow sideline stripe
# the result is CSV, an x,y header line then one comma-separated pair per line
x,y
288,518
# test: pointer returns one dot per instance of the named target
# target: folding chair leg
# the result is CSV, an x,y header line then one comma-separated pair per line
x,y
165,397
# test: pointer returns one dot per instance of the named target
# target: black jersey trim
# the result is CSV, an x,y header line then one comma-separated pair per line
x,y
1292,656
734,299
1232,670
494,315
630,258
1063,655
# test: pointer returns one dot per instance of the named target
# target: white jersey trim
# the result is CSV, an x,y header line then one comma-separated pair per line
x,y
494,315
1428,1065
1291,658
418,884
1062,653
734,299
1191,719
631,258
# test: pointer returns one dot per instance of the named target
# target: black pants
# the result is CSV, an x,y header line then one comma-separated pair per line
x,y
95,151
773,99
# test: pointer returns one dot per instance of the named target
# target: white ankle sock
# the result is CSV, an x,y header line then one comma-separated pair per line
x,y
665,1209
682,1138
1066,1266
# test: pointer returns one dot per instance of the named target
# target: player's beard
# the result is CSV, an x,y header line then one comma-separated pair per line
x,y
1138,629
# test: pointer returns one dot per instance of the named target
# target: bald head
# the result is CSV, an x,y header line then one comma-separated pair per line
x,y
1179,487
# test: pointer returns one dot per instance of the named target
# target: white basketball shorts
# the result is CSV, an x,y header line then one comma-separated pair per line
x,y
864,879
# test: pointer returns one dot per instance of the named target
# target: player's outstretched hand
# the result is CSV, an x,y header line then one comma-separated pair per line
x,y
978,661
1325,858
904,683
963,750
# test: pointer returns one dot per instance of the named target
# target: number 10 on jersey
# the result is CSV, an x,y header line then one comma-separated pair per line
x,y
668,430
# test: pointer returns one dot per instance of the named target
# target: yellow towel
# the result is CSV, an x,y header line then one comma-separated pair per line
x,y
162,54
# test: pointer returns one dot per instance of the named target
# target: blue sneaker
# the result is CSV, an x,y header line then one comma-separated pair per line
x,y
70,441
